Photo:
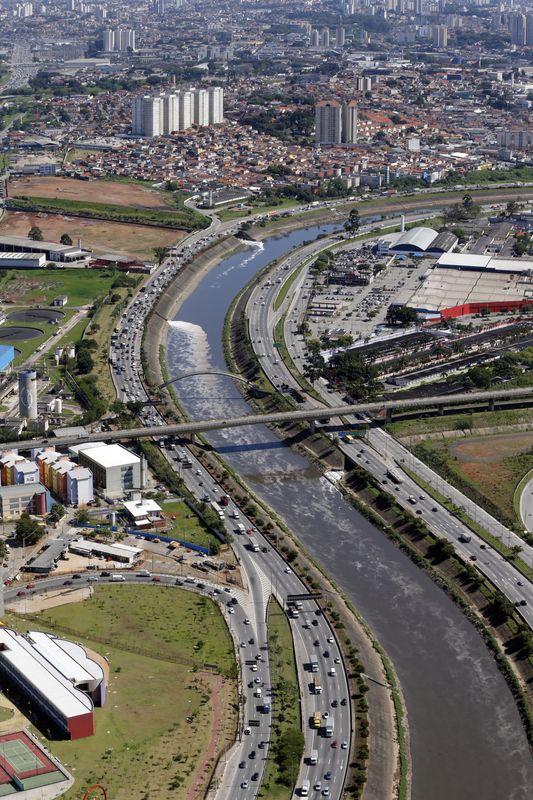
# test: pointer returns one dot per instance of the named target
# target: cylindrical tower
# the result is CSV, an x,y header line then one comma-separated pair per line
x,y
28,394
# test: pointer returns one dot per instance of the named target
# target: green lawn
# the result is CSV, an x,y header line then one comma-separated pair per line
x,y
82,286
187,525
157,718
458,422
28,347
230,212
286,705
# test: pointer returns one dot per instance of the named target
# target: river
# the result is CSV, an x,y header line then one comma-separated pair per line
x,y
466,737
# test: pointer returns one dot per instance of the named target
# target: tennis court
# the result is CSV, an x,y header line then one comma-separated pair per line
x,y
24,764
19,755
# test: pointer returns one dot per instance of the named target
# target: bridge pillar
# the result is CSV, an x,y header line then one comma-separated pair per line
x,y
192,437
312,426
440,409
388,414
492,404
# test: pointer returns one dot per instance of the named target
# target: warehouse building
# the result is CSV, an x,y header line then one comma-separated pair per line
x,y
57,679
115,470
121,553
52,251
22,260
416,242
466,283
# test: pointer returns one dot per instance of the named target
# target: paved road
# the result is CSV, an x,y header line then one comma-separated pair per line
x,y
382,452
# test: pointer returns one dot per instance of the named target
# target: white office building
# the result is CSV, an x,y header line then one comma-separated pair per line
x,y
115,470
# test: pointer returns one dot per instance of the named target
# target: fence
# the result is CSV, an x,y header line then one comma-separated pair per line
x,y
151,536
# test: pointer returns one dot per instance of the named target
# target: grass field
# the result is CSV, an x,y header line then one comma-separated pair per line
x,y
187,525
99,236
82,286
491,466
286,695
458,422
157,720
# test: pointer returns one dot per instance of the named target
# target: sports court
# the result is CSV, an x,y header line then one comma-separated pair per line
x,y
24,765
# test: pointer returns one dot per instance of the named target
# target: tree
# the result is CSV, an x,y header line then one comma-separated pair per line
x,y
35,233
65,239
28,531
401,315
468,202
511,208
56,512
84,362
353,222
161,253
82,516
441,549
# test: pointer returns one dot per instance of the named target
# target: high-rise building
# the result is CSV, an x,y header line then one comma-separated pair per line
x,y
118,39
336,122
518,24
185,100
529,30
349,122
171,114
439,35
124,39
324,37
108,37
200,113
157,115
314,38
417,7
328,121
216,105
340,36
147,116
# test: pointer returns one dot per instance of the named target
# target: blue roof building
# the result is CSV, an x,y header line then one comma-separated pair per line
x,y
7,356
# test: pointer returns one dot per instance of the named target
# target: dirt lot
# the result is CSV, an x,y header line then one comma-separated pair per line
x,y
491,465
490,449
97,235
114,193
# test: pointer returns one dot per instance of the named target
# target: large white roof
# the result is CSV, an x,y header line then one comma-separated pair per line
x,y
111,455
40,674
418,237
69,658
86,546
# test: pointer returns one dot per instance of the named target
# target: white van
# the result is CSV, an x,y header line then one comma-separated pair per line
x,y
304,789
240,528
313,758
258,692
116,577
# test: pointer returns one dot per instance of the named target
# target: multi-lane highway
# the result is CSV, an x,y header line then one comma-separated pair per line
x,y
380,452
265,573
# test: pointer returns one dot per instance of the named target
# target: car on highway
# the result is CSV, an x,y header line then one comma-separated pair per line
x,y
344,745
244,785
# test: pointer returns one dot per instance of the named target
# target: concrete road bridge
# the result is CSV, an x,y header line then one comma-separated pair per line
x,y
463,401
